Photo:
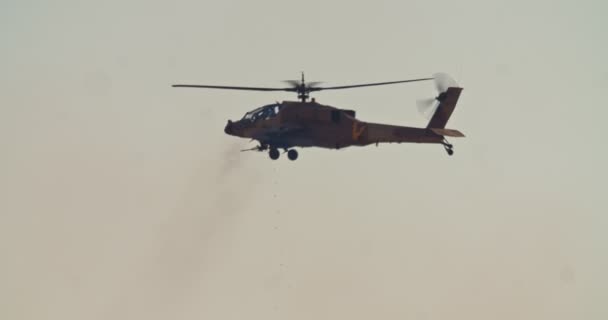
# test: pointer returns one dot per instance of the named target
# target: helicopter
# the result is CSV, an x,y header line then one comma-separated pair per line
x,y
307,123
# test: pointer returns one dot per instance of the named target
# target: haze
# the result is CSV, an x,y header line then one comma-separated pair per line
x,y
122,198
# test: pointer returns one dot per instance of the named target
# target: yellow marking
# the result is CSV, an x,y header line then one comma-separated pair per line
x,y
357,131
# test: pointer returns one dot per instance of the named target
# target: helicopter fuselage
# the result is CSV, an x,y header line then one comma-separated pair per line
x,y
310,124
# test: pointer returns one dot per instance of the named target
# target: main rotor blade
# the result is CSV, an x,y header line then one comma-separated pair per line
x,y
296,83
293,83
313,84
367,84
232,88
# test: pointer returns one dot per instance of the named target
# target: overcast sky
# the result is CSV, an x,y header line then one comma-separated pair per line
x,y
122,198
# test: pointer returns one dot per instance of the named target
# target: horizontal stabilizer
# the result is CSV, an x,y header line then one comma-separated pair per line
x,y
448,132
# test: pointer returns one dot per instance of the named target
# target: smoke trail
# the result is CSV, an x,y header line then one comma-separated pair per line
x,y
208,212
231,159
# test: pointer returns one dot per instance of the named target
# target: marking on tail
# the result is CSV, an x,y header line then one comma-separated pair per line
x,y
357,131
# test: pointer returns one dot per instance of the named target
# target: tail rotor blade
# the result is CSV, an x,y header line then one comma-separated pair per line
x,y
443,82
424,104
427,107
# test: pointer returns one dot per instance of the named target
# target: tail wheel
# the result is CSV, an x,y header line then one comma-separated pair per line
x,y
448,147
292,154
274,154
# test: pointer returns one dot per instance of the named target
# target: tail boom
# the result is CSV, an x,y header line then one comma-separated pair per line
x,y
383,133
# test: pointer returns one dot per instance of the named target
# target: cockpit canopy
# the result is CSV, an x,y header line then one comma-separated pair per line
x,y
262,113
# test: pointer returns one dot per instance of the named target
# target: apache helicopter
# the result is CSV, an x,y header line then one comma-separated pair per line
x,y
304,123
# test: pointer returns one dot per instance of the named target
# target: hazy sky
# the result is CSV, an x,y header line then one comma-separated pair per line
x,y
122,198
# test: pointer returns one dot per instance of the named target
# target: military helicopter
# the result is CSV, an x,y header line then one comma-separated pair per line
x,y
304,123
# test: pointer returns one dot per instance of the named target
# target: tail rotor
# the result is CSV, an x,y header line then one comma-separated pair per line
x,y
428,106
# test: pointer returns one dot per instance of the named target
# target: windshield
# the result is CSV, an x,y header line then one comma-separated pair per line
x,y
265,112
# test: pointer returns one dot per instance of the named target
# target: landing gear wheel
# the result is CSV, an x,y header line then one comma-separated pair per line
x,y
292,154
274,154
450,151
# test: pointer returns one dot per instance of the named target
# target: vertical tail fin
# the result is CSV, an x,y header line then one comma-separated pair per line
x,y
447,103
